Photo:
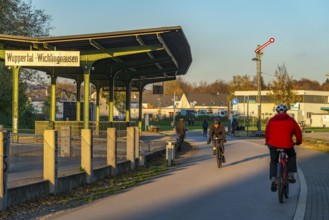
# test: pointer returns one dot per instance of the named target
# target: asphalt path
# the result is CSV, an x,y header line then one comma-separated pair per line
x,y
197,189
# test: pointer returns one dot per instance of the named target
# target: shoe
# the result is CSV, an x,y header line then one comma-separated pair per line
x,y
291,178
273,186
223,159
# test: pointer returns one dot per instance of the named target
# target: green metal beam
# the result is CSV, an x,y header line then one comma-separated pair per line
x,y
103,68
126,76
128,94
111,98
140,108
86,77
78,112
98,89
142,83
53,99
96,45
135,74
95,55
15,116
2,52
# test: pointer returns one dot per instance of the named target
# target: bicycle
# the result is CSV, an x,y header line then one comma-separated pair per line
x,y
179,143
219,151
282,176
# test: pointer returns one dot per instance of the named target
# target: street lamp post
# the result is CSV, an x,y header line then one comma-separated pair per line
x,y
259,88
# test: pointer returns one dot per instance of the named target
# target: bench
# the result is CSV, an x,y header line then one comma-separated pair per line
x,y
153,128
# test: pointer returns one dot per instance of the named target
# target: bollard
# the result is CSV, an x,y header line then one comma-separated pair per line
x,y
4,166
141,161
112,150
50,147
170,152
87,153
131,146
66,134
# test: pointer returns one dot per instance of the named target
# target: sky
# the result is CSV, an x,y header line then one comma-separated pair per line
x,y
223,35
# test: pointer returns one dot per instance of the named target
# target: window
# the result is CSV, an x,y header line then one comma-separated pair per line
x,y
308,115
315,99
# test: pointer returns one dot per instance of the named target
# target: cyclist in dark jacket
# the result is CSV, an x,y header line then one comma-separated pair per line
x,y
217,130
181,131
278,134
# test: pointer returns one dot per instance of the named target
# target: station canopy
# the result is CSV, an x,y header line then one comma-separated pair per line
x,y
139,57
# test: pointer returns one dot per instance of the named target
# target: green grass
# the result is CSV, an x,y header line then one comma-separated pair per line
x,y
317,144
318,129
165,125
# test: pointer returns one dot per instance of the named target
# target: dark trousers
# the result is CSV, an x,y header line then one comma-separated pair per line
x,y
180,142
205,132
291,164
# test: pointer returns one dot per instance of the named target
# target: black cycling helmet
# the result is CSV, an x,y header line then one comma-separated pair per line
x,y
216,121
281,108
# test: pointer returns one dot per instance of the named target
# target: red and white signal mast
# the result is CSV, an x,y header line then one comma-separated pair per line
x,y
258,56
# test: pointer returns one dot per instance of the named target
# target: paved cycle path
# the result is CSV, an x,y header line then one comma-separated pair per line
x,y
314,196
315,166
197,189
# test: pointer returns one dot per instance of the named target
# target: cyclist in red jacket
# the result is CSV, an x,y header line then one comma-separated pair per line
x,y
279,133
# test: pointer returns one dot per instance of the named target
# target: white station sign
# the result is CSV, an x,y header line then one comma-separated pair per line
x,y
42,58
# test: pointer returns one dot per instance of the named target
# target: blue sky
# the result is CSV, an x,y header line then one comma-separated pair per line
x,y
223,35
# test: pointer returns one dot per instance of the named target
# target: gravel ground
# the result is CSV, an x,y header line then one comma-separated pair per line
x,y
41,208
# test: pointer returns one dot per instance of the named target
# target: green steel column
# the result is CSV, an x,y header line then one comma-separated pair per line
x,y
15,71
53,99
86,78
128,93
97,110
78,108
111,98
140,109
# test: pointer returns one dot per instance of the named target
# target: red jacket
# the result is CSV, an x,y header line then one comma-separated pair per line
x,y
280,130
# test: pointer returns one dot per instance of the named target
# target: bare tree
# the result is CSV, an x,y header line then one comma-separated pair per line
x,y
173,86
306,84
325,85
282,88
242,83
18,17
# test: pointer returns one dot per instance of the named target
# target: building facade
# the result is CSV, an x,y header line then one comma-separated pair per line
x,y
162,106
313,109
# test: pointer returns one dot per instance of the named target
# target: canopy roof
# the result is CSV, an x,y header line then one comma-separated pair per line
x,y
137,56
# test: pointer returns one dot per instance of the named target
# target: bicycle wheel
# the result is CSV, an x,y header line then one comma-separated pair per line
x,y
218,157
286,183
286,190
280,190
